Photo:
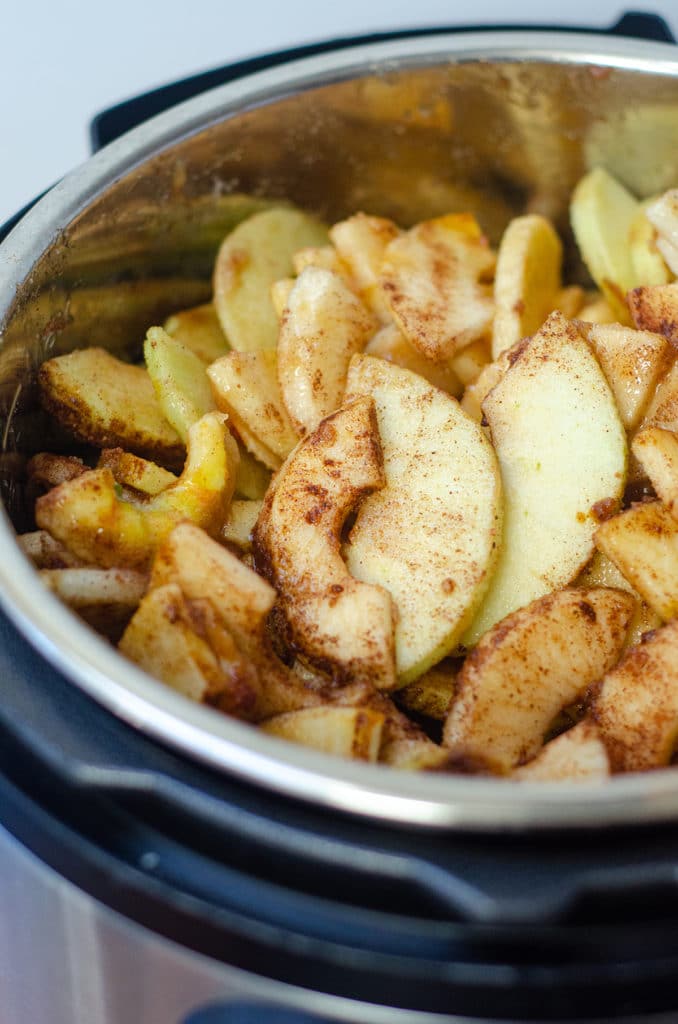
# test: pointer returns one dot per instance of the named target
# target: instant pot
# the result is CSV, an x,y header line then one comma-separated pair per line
x,y
164,864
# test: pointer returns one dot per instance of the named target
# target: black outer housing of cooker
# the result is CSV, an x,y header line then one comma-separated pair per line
x,y
570,925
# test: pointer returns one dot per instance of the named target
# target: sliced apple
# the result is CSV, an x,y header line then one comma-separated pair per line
x,y
360,243
95,522
597,310
636,707
530,666
432,693
391,344
199,330
104,598
254,255
431,536
436,280
602,212
562,451
106,402
527,279
642,542
655,308
344,732
339,623
245,385
601,572
663,215
657,450
324,256
183,643
633,362
179,379
135,473
647,261
240,523
323,325
578,755
469,363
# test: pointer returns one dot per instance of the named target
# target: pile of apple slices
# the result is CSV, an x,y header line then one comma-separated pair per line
x,y
404,528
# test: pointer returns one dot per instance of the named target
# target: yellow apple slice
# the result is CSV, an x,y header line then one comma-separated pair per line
x,y
636,707
344,732
524,671
245,386
323,325
647,261
663,215
642,542
436,280
527,279
106,402
601,572
95,522
578,755
340,624
657,450
431,536
655,308
601,212
179,379
104,598
360,243
254,255
562,450
432,694
391,344
633,362
198,328
240,522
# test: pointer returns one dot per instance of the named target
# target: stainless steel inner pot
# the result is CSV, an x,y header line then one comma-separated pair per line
x,y
498,123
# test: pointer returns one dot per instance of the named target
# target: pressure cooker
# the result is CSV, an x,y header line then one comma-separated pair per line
x,y
163,863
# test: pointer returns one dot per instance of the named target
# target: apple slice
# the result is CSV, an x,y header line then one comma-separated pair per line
x,y
360,242
636,707
642,542
198,328
530,666
179,380
655,308
663,215
341,625
98,524
344,732
633,362
657,450
391,344
323,325
245,385
601,572
254,255
602,212
646,259
436,280
578,755
527,280
562,451
430,537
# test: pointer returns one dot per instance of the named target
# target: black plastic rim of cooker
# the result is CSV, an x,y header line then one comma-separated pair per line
x,y
576,926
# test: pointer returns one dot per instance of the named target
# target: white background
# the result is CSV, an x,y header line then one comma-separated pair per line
x,y
64,60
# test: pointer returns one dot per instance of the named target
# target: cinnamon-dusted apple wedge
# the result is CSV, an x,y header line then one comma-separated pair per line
x,y
344,732
254,255
97,522
578,755
343,626
562,450
431,536
636,707
436,281
527,280
528,668
323,325
360,242
655,308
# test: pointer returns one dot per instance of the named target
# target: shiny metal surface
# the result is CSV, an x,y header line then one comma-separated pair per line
x,y
497,122
66,958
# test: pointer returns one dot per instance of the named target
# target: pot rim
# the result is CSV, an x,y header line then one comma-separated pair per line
x,y
417,799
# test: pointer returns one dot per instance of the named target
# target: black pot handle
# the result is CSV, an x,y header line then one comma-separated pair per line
x,y
250,1013
111,123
